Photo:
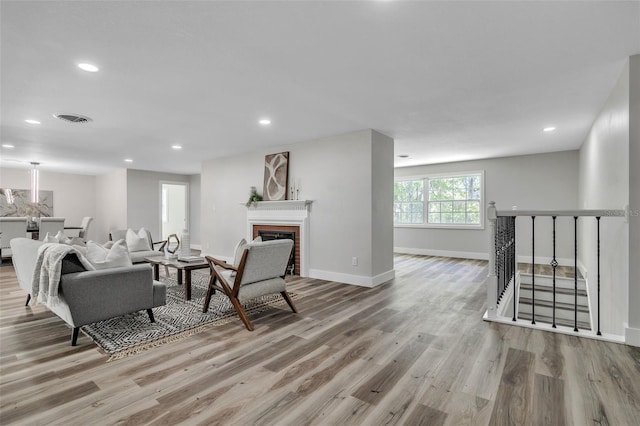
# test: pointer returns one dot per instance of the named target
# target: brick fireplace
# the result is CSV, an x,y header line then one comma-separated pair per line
x,y
291,216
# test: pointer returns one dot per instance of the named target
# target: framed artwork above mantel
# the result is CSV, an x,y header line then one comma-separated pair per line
x,y
276,176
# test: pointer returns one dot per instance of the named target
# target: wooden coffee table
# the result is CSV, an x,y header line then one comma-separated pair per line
x,y
187,267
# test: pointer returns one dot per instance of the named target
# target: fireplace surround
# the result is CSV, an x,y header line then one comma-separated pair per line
x,y
286,216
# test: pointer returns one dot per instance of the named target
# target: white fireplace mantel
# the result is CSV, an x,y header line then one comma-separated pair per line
x,y
283,213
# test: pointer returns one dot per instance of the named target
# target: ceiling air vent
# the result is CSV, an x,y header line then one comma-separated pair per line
x,y
73,118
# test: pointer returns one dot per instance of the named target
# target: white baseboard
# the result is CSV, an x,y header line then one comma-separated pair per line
x,y
359,280
632,336
442,253
540,260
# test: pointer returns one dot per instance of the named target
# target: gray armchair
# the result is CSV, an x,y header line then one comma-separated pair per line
x,y
260,272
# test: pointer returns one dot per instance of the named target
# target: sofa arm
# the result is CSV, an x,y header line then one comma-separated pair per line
x,y
98,295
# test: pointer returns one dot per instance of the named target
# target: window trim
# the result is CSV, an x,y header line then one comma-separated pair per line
x,y
458,226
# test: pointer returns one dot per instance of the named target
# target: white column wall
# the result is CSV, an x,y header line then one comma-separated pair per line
x,y
633,327
604,184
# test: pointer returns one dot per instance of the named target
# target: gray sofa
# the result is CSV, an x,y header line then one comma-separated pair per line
x,y
90,296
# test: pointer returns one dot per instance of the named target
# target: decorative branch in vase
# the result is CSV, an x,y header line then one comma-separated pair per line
x,y
254,197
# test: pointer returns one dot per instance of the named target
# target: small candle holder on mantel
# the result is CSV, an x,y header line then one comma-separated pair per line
x,y
294,190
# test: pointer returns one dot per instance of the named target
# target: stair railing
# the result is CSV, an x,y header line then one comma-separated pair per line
x,y
503,263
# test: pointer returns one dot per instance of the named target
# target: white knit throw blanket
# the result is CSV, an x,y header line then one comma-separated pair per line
x,y
46,275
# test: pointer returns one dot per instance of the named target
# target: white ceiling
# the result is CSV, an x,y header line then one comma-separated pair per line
x,y
448,81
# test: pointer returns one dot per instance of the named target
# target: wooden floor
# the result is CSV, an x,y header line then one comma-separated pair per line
x,y
412,351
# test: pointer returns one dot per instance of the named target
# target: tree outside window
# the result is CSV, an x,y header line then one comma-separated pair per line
x,y
439,200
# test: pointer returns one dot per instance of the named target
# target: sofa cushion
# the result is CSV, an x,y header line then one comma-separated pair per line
x,y
103,258
137,242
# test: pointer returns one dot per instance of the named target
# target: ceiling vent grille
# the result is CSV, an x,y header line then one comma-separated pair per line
x,y
73,118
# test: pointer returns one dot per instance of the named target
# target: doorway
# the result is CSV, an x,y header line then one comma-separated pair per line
x,y
174,214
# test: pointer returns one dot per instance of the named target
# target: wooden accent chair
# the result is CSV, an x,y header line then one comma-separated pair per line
x,y
261,271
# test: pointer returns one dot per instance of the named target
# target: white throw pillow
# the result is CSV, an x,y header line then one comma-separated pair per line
x,y
238,252
62,239
49,238
137,242
103,258
242,244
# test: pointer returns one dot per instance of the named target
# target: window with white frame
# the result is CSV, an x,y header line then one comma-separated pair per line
x,y
452,200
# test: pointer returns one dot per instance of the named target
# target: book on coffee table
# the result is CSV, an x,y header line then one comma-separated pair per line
x,y
191,259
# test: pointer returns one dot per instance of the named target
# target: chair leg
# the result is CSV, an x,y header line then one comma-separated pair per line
x,y
210,292
166,271
28,299
74,336
289,301
150,313
243,316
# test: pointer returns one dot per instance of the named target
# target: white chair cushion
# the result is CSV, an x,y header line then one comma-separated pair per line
x,y
102,258
137,242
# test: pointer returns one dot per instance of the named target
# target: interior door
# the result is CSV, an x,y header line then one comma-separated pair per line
x,y
175,208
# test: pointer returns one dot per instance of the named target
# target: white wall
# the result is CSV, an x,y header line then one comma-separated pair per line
x,y
382,203
541,181
111,203
194,211
144,199
604,184
633,330
74,195
334,172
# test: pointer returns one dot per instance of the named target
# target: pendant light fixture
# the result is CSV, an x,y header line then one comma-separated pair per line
x,y
35,182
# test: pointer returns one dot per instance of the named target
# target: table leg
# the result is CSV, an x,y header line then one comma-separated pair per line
x,y
187,284
156,272
179,272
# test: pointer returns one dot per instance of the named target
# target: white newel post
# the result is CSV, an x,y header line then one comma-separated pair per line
x,y
492,279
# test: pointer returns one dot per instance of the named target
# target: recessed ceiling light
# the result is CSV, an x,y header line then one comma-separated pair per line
x,y
176,147
128,160
548,129
88,67
31,121
403,156
265,121
7,145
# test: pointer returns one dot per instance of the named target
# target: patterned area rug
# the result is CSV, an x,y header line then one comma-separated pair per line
x,y
133,333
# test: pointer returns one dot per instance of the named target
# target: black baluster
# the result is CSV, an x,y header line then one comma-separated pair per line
x,y
598,223
554,265
512,222
496,239
575,273
533,270
514,263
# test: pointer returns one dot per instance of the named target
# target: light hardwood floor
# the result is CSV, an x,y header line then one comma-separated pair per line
x,y
413,351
